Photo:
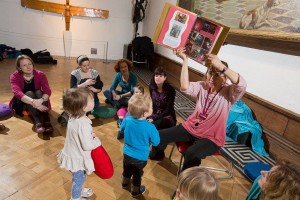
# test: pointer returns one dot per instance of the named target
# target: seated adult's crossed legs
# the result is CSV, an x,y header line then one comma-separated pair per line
x,y
38,116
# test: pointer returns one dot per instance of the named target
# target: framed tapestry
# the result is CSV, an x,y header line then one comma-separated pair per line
x,y
272,25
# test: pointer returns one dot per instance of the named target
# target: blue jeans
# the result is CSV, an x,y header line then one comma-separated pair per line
x,y
78,179
116,103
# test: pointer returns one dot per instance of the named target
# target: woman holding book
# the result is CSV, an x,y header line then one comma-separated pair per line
x,y
205,128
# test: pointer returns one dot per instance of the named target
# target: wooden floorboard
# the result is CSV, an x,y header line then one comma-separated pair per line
x,y
28,165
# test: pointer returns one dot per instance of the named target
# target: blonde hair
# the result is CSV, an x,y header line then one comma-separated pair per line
x,y
18,61
138,105
74,101
283,182
197,183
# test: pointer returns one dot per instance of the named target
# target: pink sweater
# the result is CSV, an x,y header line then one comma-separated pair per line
x,y
40,83
214,126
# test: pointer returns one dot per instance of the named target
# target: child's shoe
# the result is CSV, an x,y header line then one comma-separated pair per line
x,y
136,194
86,192
125,182
120,135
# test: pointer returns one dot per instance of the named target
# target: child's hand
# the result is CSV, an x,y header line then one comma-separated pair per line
x,y
150,120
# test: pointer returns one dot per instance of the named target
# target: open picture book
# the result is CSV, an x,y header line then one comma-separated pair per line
x,y
178,27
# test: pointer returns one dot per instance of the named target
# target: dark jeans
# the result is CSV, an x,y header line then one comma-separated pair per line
x,y
199,149
116,103
133,167
35,113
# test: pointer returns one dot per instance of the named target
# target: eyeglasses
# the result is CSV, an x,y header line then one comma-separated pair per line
x,y
214,73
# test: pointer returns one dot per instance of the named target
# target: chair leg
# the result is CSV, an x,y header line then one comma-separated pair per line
x,y
171,153
179,167
229,171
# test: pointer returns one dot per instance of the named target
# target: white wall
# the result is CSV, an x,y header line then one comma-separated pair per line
x,y
37,30
272,76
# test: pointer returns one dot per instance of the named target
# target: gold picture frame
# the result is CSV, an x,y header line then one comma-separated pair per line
x,y
275,41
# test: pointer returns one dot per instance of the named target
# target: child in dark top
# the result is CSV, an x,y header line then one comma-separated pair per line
x,y
163,98
139,134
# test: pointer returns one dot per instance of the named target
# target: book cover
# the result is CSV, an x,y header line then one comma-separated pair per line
x,y
181,28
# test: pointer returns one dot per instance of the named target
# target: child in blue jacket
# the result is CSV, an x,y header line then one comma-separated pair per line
x,y
139,134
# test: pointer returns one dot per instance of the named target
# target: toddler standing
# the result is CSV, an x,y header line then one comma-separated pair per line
x,y
80,140
123,111
139,134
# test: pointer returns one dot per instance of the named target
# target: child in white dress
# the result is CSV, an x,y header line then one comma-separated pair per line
x,y
80,140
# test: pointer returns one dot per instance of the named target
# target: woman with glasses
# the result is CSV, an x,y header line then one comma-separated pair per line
x,y
205,128
31,93
126,79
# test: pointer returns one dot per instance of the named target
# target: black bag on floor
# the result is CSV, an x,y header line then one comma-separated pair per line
x,y
26,52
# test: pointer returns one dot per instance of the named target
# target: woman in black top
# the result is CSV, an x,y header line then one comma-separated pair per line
x,y
163,98
84,76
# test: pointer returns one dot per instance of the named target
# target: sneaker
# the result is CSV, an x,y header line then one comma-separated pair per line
x,y
86,192
39,128
120,135
48,127
142,191
159,156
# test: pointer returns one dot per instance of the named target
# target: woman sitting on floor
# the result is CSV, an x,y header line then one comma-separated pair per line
x,y
84,76
281,182
31,92
126,79
163,97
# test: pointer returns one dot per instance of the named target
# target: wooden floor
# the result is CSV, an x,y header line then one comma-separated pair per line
x,y
28,165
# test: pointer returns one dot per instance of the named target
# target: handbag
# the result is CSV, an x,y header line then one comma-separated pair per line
x,y
102,162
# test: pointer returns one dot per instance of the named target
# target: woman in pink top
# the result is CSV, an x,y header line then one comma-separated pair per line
x,y
31,92
205,128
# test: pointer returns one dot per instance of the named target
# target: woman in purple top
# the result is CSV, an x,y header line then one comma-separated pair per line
x,y
205,128
31,92
163,97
